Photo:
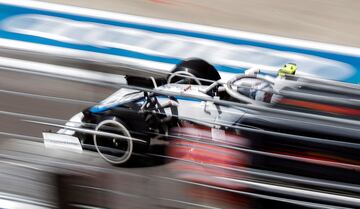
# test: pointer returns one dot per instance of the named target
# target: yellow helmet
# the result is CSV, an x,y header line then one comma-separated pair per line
x,y
287,69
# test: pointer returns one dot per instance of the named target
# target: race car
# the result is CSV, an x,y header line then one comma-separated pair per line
x,y
148,109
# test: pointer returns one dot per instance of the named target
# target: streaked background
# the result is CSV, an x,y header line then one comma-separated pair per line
x,y
333,21
30,173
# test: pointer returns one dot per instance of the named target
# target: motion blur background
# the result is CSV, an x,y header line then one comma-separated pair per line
x,y
34,177
335,21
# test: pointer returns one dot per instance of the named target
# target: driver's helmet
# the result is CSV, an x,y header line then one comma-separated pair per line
x,y
287,69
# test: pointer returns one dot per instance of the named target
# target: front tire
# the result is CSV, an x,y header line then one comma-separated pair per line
x,y
114,150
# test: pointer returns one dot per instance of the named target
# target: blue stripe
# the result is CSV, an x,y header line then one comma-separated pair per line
x,y
100,109
188,99
7,11
182,98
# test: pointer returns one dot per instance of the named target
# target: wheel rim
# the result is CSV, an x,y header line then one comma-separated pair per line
x,y
124,132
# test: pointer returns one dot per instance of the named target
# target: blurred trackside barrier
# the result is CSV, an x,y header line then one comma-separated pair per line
x,y
103,41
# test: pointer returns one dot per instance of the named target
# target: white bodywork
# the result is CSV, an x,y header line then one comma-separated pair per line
x,y
203,112
64,139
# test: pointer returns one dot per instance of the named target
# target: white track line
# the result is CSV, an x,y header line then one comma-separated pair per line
x,y
61,70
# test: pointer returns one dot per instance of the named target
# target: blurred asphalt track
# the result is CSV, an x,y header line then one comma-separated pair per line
x,y
27,168
21,82
330,21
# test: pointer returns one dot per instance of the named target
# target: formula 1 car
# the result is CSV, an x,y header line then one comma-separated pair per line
x,y
310,113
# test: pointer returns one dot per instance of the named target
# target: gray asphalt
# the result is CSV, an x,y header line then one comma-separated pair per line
x,y
37,183
30,170
334,21
21,82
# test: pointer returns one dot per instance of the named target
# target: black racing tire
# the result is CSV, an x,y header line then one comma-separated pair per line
x,y
198,68
144,82
105,145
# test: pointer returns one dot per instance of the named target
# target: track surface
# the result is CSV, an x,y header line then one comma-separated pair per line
x,y
319,20
26,164
20,82
30,170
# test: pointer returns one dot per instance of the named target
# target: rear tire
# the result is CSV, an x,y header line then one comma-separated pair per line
x,y
198,68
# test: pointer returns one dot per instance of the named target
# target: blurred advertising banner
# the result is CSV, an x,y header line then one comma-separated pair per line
x,y
92,39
